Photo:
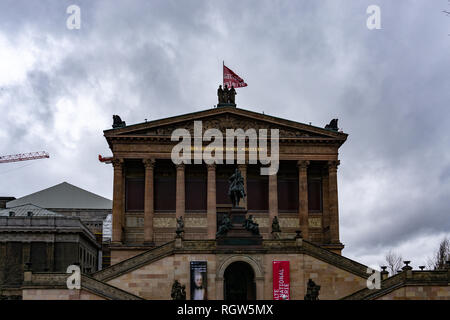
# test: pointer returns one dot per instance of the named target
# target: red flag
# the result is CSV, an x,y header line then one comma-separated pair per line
x,y
232,79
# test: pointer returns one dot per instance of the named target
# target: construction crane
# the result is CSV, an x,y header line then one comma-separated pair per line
x,y
24,156
104,159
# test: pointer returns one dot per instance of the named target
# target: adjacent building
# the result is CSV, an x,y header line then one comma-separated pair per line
x,y
34,238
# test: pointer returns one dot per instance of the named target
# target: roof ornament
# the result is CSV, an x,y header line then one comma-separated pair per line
x,y
117,122
227,97
333,125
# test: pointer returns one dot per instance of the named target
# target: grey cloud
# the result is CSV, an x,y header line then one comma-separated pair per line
x,y
303,60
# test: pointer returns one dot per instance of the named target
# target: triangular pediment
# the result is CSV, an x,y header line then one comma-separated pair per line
x,y
227,118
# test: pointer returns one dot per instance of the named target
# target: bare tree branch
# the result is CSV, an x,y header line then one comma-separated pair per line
x,y
394,262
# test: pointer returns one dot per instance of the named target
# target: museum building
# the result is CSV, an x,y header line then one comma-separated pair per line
x,y
167,219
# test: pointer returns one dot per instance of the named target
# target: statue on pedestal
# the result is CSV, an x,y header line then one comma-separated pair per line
x,y
178,291
312,291
236,189
226,95
117,122
225,226
251,225
180,227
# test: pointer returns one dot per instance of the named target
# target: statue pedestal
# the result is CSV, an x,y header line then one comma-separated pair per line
x,y
221,105
238,237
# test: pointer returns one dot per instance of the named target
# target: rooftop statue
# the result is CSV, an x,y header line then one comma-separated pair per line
x,y
117,122
226,95
333,125
236,189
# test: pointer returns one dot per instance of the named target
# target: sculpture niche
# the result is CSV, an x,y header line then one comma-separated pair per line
x,y
236,190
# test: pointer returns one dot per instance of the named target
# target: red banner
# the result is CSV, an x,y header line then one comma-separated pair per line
x,y
281,281
231,79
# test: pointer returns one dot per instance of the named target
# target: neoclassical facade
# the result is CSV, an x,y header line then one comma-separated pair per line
x,y
150,191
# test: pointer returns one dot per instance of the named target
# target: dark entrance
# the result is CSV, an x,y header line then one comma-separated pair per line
x,y
239,282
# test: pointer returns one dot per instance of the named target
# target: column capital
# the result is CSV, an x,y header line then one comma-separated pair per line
x,y
149,162
242,166
211,166
117,163
333,164
180,166
303,164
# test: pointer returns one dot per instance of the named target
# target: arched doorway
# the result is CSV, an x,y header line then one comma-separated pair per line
x,y
239,282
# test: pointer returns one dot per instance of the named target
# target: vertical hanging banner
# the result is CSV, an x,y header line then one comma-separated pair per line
x,y
198,280
281,281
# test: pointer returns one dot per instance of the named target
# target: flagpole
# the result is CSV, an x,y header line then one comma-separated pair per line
x,y
223,65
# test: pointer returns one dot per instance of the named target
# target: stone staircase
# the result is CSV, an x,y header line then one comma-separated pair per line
x,y
135,262
409,277
59,281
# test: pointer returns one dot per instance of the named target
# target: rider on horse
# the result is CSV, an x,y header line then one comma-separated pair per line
x,y
236,190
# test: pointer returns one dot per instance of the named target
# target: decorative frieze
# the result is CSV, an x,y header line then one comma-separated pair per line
x,y
289,223
315,222
164,222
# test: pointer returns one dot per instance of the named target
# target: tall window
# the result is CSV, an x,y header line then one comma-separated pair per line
x,y
135,194
195,188
315,189
134,185
223,173
257,189
165,186
287,183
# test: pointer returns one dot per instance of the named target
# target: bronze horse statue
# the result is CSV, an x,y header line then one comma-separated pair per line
x,y
236,189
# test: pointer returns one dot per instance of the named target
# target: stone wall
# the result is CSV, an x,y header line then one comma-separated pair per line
x,y
419,293
58,294
154,280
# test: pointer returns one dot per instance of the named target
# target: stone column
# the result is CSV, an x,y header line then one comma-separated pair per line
x,y
118,201
51,256
303,198
211,202
180,194
333,200
273,198
243,169
149,208
26,250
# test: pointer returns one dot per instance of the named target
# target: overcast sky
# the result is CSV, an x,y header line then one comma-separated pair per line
x,y
304,60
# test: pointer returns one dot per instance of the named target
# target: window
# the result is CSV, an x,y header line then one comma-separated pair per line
x,y
196,188
257,189
134,194
315,195
164,186
287,184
